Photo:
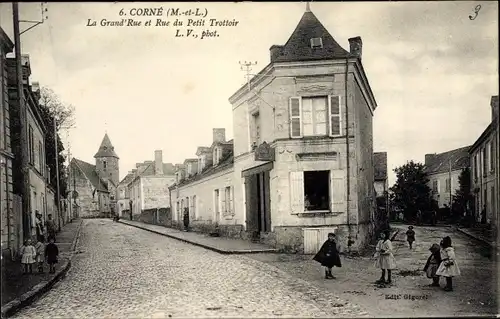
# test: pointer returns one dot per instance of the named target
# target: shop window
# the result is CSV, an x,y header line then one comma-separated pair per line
x,y
317,190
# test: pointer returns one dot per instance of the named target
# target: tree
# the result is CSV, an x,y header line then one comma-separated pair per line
x,y
410,192
463,194
53,109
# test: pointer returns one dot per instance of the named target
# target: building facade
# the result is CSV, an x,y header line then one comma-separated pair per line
x,y
148,186
9,221
301,162
484,157
380,171
443,171
36,132
94,187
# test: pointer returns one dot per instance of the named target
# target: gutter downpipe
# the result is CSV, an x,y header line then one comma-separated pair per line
x,y
348,162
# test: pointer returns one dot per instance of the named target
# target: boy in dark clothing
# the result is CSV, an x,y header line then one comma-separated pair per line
x,y
328,256
432,264
51,254
410,236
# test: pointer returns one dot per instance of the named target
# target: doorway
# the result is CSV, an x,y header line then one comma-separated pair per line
x,y
258,203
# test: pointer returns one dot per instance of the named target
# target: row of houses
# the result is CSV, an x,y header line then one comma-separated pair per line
x,y
301,161
16,225
483,160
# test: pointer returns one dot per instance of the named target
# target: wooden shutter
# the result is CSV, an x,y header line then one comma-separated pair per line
x,y
295,117
337,191
231,200
334,115
297,192
223,204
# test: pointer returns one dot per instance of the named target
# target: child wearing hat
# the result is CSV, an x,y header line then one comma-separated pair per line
x,y
432,265
328,256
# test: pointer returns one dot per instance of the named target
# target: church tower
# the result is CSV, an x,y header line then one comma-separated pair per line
x,y
106,162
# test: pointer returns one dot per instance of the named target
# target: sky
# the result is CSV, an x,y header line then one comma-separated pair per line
x,y
432,70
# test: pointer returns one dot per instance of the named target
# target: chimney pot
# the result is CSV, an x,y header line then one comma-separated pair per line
x,y
219,135
356,47
158,162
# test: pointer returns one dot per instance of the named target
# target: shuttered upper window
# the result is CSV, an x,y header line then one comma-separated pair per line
x,y
315,116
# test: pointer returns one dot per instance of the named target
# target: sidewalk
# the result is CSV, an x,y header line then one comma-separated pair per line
x,y
484,235
221,245
18,290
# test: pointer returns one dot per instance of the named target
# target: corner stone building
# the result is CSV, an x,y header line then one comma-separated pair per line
x,y
94,187
300,164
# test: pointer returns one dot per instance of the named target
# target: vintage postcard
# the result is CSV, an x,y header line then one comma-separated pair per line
x,y
249,159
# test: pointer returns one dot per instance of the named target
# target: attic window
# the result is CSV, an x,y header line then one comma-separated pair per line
x,y
316,43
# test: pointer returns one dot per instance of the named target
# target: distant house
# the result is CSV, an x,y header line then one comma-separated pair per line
x,y
148,188
380,170
443,170
484,154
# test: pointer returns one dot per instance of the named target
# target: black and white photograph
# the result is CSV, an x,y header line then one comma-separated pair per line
x,y
252,159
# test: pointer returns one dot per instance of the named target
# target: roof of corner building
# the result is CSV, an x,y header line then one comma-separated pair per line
x,y
380,165
298,46
6,42
106,149
438,163
127,179
90,172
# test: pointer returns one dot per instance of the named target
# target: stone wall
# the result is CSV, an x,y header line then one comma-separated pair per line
x,y
161,216
155,191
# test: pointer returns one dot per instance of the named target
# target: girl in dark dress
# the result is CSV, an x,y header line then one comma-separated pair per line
x,y
51,253
328,256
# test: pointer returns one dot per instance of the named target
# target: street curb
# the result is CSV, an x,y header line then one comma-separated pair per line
x,y
220,251
37,291
476,238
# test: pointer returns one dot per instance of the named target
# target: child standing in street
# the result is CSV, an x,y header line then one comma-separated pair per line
x,y
448,267
386,260
51,253
410,236
40,250
28,254
432,265
328,256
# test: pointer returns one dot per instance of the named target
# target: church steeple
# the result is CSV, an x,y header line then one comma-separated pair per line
x,y
308,8
106,149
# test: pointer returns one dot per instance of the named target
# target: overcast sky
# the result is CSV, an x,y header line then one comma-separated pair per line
x,y
432,70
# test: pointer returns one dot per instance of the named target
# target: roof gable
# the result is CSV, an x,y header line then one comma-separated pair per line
x,y
437,163
106,149
90,173
298,46
380,165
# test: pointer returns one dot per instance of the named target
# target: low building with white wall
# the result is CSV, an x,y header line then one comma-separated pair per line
x,y
443,171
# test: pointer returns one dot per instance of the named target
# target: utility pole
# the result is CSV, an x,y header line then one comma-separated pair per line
x,y
450,185
57,176
247,67
25,190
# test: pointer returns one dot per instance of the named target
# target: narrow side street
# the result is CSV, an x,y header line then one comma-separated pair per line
x,y
475,291
125,272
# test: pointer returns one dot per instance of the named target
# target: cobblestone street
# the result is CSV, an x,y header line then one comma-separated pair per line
x,y
124,272
475,291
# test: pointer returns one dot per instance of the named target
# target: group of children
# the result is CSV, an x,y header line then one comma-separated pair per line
x,y
38,254
441,262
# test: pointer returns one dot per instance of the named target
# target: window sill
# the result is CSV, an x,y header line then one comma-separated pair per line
x,y
312,213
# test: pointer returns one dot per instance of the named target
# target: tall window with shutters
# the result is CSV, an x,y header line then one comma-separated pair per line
x,y
228,201
315,116
40,158
31,142
317,191
485,161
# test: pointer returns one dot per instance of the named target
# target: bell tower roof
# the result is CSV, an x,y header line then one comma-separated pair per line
x,y
106,149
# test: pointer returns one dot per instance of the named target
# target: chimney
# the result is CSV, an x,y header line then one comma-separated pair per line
x,y
219,135
275,51
494,107
158,162
356,47
428,158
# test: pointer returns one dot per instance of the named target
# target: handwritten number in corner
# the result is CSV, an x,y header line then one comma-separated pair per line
x,y
476,12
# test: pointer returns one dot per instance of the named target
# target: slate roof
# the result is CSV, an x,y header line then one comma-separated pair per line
x,y
106,149
89,171
168,169
380,165
298,46
127,179
227,162
439,163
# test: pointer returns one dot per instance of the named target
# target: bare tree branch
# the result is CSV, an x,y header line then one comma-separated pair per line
x,y
64,114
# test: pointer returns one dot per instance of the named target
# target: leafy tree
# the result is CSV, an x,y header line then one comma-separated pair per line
x,y
410,192
463,194
53,109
